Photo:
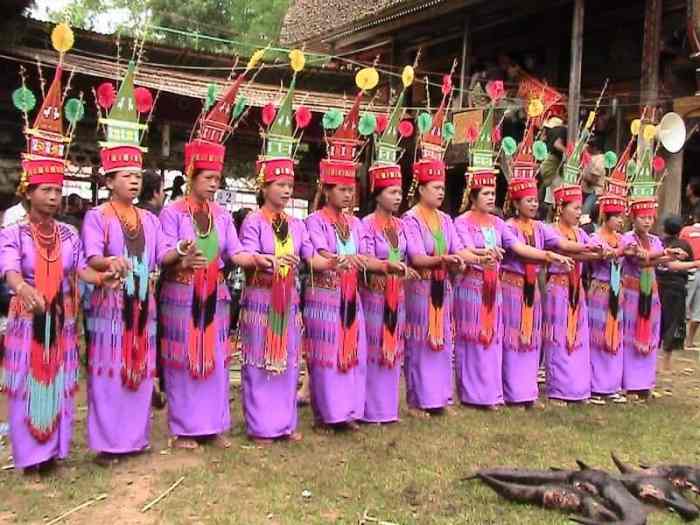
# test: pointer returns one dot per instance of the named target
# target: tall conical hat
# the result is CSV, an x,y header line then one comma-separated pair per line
x,y
47,142
207,151
347,134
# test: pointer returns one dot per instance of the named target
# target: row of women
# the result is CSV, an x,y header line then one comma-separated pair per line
x,y
422,293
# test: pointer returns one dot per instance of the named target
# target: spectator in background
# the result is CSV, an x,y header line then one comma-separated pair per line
x,y
176,191
691,235
692,193
672,279
593,176
73,212
152,195
550,169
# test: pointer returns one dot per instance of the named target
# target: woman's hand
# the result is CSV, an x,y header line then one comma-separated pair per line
x,y
110,280
554,257
496,253
396,267
290,260
193,258
118,265
676,253
31,298
412,274
359,262
454,262
264,261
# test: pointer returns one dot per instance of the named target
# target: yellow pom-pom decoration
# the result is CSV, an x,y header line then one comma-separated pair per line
x,y
256,58
591,119
535,108
635,127
367,78
62,38
297,60
649,132
407,76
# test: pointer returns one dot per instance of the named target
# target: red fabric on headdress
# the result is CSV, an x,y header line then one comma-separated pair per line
x,y
121,158
429,170
481,179
567,193
276,169
384,176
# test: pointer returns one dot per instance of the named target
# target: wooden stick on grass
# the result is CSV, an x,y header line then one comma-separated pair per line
x,y
76,509
163,495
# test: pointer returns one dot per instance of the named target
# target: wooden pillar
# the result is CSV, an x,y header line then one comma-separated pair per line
x,y
669,196
651,51
465,65
575,70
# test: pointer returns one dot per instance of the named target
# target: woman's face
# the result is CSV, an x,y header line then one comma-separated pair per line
x,y
432,194
278,193
45,198
571,213
527,207
340,196
125,185
389,199
644,223
204,184
485,200
614,222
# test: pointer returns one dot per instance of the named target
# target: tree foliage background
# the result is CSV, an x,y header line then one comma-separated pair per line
x,y
257,22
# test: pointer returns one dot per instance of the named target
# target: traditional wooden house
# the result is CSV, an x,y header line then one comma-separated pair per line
x,y
642,46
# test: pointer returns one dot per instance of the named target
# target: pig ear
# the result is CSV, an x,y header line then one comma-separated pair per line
x,y
582,465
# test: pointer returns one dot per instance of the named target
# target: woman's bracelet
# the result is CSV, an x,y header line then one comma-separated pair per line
x,y
19,286
179,250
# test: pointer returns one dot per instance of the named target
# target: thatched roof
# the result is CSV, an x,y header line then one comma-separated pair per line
x,y
313,19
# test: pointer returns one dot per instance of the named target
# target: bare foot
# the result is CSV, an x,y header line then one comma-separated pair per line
x,y
220,441
417,412
185,443
262,441
492,408
295,436
353,425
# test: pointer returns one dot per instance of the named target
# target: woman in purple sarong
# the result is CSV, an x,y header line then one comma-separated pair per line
x,y
334,340
565,324
641,307
605,315
383,296
39,260
432,250
270,325
478,297
121,238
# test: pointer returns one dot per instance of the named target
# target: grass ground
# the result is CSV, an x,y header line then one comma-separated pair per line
x,y
407,473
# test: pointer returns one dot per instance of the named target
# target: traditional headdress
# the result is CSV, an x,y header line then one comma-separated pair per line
x,y
207,150
347,135
525,156
614,199
643,184
434,136
385,170
482,171
280,141
124,130
47,143
570,188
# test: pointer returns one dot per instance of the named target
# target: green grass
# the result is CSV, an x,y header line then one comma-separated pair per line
x,y
407,473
